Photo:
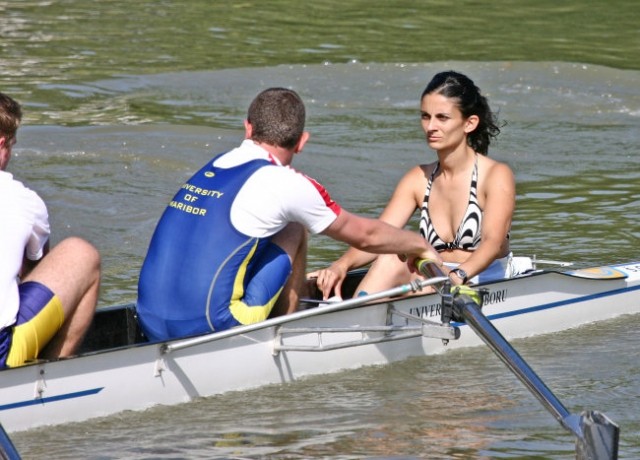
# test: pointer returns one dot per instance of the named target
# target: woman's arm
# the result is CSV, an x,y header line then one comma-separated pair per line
x,y
406,197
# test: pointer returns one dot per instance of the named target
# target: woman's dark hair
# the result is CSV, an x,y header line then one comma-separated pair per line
x,y
459,87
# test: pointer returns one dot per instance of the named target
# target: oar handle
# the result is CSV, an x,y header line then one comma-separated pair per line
x,y
429,268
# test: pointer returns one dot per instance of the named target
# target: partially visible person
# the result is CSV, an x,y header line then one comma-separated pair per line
x,y
47,298
466,200
230,248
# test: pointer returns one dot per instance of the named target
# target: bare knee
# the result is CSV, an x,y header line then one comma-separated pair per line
x,y
79,247
388,260
389,265
79,251
387,271
72,271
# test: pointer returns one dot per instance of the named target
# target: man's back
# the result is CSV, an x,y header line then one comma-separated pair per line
x,y
194,255
212,263
27,234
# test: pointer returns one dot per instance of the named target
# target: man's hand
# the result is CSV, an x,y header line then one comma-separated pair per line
x,y
329,279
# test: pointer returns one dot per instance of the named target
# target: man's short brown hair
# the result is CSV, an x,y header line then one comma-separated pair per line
x,y
277,117
10,116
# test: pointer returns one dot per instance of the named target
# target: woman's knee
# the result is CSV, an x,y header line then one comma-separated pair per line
x,y
389,263
387,271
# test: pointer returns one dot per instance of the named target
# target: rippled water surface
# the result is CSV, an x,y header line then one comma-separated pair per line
x,y
123,100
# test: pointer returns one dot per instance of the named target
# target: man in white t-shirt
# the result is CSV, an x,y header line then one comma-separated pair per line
x,y
47,298
230,248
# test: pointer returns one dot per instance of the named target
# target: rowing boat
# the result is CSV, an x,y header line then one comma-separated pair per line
x,y
118,369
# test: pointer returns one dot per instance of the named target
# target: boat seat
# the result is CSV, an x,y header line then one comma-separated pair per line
x,y
113,327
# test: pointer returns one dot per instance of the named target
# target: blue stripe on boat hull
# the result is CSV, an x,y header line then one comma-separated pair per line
x,y
37,401
560,303
81,394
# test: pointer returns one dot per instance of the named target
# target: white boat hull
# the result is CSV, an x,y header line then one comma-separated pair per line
x,y
142,375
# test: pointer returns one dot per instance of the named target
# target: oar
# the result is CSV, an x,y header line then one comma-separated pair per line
x,y
7,449
596,435
414,286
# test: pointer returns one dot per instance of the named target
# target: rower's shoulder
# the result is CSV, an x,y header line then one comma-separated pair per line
x,y
424,170
493,168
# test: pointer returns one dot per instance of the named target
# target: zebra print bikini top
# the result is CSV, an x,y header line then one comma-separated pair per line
x,y
468,234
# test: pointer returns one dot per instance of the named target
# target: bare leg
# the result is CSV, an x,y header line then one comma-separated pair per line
x,y
386,272
293,240
72,271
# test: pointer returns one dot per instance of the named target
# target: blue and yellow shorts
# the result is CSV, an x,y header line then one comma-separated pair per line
x,y
267,278
40,317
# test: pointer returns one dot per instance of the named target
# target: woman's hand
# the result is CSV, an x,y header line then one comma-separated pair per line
x,y
455,277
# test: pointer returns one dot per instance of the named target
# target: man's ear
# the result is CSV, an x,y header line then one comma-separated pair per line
x,y
303,140
248,129
471,123
4,153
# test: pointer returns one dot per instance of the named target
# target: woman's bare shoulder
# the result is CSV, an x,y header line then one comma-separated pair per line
x,y
414,181
490,167
424,169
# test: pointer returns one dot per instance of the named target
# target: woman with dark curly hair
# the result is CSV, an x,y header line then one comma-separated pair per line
x,y
466,200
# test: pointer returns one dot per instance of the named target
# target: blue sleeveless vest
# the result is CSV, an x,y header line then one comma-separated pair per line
x,y
188,276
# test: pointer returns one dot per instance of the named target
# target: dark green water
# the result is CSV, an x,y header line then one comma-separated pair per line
x,y
51,50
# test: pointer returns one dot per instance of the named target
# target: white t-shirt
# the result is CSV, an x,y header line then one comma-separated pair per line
x,y
24,230
281,195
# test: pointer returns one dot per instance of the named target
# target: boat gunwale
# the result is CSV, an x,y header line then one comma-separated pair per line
x,y
322,309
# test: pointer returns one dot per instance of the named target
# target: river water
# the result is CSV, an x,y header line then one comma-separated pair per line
x,y
124,100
